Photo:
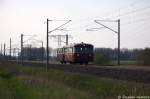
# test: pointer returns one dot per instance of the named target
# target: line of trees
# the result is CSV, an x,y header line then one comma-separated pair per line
x,y
107,55
102,55
33,53
144,57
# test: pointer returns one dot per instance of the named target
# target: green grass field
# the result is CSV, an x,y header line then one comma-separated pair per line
x,y
22,82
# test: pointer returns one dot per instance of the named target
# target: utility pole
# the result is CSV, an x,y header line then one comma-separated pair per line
x,y
118,41
21,49
1,49
4,49
117,32
30,52
47,48
10,48
42,52
66,39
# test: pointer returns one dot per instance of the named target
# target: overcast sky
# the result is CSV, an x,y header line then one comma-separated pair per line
x,y
28,17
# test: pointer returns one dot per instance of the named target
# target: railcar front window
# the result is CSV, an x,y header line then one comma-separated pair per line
x,y
84,49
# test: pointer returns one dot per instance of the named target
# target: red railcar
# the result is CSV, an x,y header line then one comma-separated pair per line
x,y
78,53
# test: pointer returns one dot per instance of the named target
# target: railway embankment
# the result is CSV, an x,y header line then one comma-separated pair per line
x,y
130,73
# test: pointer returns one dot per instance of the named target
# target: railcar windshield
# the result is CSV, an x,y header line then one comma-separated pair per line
x,y
84,49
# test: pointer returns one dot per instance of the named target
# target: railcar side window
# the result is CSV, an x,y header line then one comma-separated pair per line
x,y
65,50
70,50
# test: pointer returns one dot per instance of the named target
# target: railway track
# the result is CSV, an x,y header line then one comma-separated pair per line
x,y
135,74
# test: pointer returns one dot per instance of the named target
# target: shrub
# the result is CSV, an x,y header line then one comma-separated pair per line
x,y
101,59
144,57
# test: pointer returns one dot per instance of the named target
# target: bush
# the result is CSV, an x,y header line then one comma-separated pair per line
x,y
101,59
144,57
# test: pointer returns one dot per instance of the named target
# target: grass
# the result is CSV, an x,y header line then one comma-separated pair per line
x,y
22,82
115,62
123,62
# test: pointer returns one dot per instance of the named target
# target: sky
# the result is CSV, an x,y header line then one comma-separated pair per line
x,y
28,17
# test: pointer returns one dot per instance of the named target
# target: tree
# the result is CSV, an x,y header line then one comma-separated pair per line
x,y
144,56
101,59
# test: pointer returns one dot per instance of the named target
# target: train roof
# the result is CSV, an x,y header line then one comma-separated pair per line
x,y
78,44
